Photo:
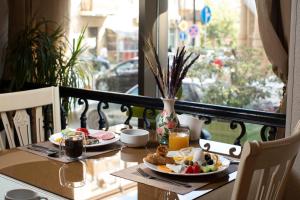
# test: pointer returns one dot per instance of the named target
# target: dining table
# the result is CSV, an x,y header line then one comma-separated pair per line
x,y
94,177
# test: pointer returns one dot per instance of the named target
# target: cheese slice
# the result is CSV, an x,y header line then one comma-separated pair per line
x,y
174,168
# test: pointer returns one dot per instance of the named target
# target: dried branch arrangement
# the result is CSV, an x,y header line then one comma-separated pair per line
x,y
169,80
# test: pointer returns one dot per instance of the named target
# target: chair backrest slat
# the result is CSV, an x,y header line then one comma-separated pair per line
x,y
23,128
20,102
273,160
39,118
2,138
9,131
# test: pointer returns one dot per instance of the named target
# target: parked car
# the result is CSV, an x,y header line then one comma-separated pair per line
x,y
99,63
120,78
191,91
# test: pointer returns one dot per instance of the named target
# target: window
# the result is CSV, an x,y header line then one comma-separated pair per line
x,y
232,69
111,39
127,67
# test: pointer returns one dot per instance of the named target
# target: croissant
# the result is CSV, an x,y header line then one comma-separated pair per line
x,y
156,159
162,150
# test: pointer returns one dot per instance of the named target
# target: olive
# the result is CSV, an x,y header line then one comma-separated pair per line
x,y
207,157
210,162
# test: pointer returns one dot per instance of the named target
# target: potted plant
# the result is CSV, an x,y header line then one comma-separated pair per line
x,y
42,54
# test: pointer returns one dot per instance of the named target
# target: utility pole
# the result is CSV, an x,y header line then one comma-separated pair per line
x,y
194,19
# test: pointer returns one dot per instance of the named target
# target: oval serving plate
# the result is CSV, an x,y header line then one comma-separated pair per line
x,y
225,165
53,137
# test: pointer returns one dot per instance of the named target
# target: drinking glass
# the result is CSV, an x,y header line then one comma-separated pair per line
x,y
72,175
179,138
73,145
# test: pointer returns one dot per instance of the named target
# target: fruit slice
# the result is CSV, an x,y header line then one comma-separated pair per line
x,y
189,170
178,159
164,168
209,168
84,130
196,168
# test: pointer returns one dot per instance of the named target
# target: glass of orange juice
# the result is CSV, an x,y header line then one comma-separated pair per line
x,y
179,138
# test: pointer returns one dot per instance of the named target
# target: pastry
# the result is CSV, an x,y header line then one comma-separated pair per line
x,y
160,158
162,150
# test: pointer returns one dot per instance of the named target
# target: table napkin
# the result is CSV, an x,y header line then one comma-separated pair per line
x,y
95,151
196,182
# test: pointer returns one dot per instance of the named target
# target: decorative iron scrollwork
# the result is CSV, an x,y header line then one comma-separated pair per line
x,y
102,119
146,120
207,120
127,108
234,125
83,117
270,130
232,153
206,147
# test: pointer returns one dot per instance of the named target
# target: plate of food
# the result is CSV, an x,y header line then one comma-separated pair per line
x,y
94,138
186,162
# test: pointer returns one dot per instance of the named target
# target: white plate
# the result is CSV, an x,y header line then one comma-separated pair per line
x,y
225,165
91,131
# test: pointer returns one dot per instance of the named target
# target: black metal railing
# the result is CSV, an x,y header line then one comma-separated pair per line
x,y
236,116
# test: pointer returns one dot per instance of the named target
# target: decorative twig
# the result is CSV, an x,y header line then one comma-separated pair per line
x,y
169,80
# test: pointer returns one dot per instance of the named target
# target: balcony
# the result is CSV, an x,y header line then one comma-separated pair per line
x,y
234,117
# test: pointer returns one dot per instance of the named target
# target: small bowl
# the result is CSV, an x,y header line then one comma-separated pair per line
x,y
134,137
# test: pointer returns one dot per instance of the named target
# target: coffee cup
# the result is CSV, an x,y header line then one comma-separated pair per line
x,y
193,123
22,194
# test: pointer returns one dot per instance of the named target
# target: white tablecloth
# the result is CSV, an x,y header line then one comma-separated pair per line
x,y
7,183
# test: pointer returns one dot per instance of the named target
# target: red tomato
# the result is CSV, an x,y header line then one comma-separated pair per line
x,y
196,168
189,170
84,130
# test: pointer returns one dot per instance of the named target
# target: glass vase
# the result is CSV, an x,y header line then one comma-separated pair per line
x,y
165,121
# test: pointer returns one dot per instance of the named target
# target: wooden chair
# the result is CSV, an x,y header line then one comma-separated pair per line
x,y
264,168
19,102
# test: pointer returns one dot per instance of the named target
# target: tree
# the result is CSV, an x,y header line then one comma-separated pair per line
x,y
239,79
222,30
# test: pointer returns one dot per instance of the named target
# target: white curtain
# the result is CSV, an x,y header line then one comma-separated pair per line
x,y
274,19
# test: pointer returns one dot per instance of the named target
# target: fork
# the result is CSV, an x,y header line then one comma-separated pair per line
x,y
146,175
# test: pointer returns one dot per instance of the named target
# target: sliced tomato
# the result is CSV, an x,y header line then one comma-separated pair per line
x,y
189,170
84,130
196,168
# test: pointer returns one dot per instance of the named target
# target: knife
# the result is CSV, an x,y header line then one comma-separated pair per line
x,y
44,148
40,150
49,152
